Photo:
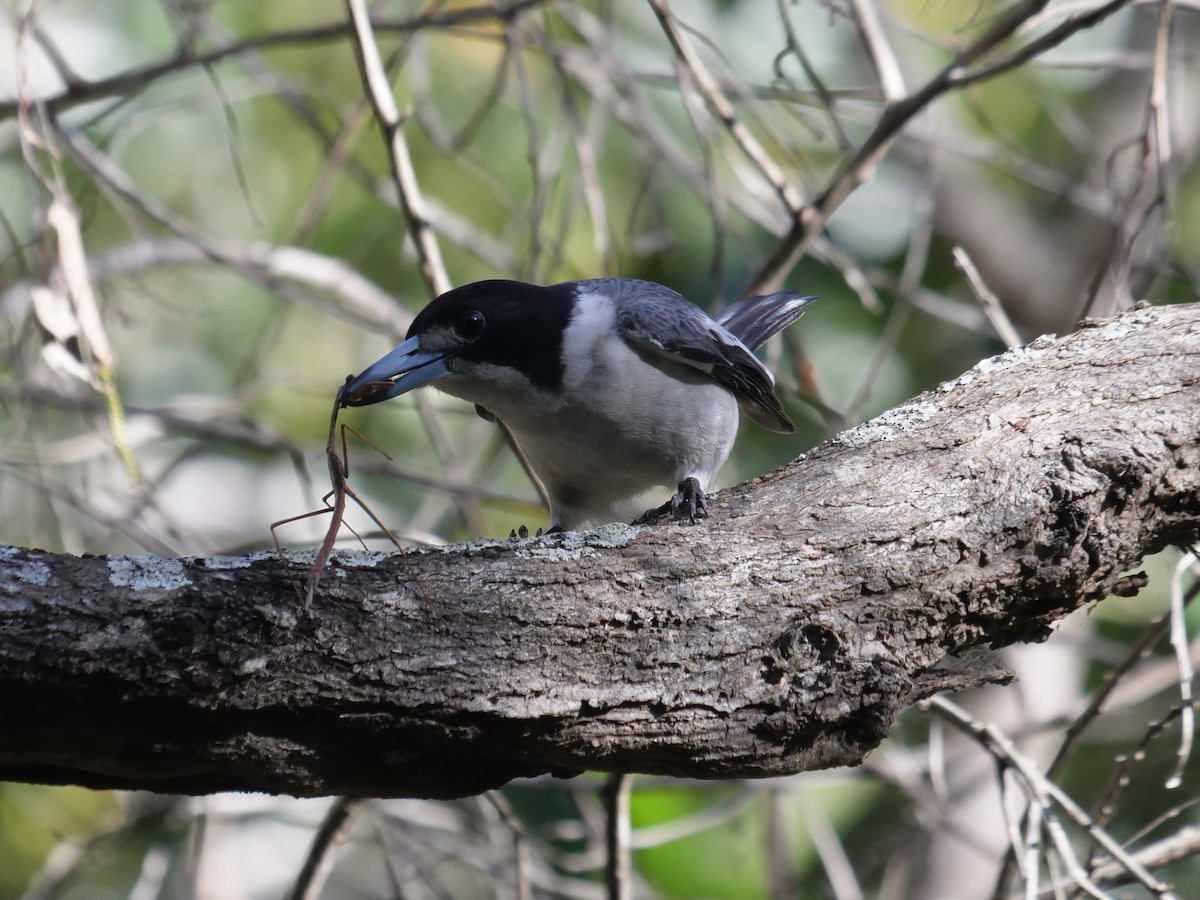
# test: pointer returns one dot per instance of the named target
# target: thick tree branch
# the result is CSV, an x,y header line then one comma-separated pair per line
x,y
785,633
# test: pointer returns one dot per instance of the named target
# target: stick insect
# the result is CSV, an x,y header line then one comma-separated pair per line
x,y
338,467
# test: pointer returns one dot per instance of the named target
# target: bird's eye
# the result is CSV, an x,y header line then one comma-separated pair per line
x,y
469,325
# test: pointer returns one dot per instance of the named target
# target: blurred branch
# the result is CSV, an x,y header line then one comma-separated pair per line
x,y
987,298
412,202
879,50
79,90
1044,796
318,862
1183,844
1138,220
216,422
720,107
618,836
346,294
1101,700
786,633
275,268
811,219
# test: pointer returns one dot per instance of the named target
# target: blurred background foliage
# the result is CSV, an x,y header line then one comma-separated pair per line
x,y
231,192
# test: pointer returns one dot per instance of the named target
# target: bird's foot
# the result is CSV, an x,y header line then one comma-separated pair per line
x,y
689,501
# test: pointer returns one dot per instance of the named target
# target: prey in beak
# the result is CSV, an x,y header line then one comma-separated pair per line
x,y
403,369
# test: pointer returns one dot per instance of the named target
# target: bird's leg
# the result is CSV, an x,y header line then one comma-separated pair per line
x,y
689,501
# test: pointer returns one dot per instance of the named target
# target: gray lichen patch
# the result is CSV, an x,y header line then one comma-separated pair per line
x,y
617,534
889,425
1017,356
564,547
1127,324
472,547
147,572
560,547
362,559
26,571
300,557
218,563
573,545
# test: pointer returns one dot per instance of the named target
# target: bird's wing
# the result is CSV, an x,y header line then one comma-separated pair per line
x,y
663,323
756,319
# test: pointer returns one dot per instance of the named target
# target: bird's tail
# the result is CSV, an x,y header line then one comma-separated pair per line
x,y
753,320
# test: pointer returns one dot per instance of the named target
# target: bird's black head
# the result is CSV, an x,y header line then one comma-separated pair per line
x,y
501,323
504,324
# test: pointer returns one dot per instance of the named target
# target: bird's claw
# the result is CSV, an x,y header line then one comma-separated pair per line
x,y
689,501
522,532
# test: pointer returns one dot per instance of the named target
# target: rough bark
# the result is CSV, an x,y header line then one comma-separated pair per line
x,y
786,632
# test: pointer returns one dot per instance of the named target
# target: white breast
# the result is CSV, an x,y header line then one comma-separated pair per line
x,y
630,424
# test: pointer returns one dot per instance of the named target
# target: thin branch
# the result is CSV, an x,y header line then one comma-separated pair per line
x,y
809,220
1003,749
987,299
523,889
879,50
412,203
37,135
318,862
1187,674
618,868
723,110
1071,24
79,91
344,293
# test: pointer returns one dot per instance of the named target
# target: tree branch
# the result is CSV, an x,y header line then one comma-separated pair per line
x,y
78,90
785,633
860,168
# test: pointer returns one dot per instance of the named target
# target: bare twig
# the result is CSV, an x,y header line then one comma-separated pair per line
x,y
723,110
879,49
810,219
523,888
1044,791
79,91
618,870
344,293
1188,562
1072,22
987,299
36,133
412,203
318,863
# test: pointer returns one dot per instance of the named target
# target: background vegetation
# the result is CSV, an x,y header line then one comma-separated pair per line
x,y
202,234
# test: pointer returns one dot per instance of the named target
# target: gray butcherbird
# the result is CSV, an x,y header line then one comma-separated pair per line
x,y
611,386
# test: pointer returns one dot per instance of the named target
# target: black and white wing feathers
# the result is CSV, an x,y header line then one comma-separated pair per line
x,y
756,320
659,321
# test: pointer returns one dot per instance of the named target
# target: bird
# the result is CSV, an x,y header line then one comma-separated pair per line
x,y
611,387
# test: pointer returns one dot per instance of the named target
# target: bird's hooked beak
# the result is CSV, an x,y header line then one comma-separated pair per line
x,y
400,371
